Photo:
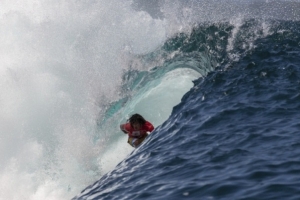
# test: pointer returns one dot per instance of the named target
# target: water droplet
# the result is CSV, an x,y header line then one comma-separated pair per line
x,y
186,193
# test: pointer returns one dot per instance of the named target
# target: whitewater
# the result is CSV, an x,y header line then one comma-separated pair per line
x,y
219,81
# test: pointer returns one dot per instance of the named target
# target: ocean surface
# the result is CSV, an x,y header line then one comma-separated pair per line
x,y
220,81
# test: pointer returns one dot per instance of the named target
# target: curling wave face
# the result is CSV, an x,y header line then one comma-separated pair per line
x,y
235,130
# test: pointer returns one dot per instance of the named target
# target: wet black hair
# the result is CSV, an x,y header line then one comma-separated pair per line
x,y
137,118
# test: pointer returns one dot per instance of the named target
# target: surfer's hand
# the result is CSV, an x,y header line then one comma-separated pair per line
x,y
122,127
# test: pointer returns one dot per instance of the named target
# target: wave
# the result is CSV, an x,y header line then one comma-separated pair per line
x,y
211,139
72,71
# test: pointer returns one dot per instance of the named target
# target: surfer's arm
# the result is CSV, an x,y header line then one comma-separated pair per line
x,y
149,126
122,127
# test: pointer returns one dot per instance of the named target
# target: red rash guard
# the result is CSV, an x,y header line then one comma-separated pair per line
x,y
147,127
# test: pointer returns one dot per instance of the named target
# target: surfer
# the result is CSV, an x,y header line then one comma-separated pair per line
x,y
137,129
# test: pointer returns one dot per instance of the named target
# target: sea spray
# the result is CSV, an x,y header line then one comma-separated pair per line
x,y
60,61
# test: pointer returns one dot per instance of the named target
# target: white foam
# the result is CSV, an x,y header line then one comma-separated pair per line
x,y
59,61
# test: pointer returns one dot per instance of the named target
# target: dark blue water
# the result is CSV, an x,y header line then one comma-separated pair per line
x,y
235,134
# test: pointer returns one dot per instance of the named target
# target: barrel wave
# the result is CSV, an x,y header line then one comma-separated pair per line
x,y
234,135
219,80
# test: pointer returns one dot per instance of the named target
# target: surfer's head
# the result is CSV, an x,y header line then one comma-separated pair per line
x,y
136,121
